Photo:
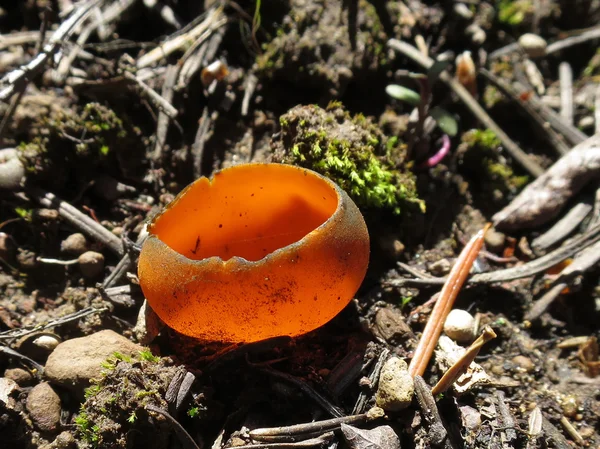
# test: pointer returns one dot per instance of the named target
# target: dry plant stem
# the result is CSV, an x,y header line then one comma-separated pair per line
x,y
572,431
21,332
519,155
181,40
562,228
321,441
585,260
249,88
159,101
361,403
39,369
597,110
438,435
565,74
572,134
15,79
593,33
20,38
462,364
19,96
197,149
309,430
506,421
79,220
444,304
187,442
559,146
162,125
532,268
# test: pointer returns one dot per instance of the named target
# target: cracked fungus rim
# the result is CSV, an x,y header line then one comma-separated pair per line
x,y
258,251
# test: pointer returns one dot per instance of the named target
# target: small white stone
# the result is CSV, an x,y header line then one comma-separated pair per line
x,y
533,45
46,342
460,326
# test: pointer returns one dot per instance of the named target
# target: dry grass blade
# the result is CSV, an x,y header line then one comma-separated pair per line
x,y
444,304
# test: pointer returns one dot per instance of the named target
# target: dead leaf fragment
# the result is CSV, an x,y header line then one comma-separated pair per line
x,y
381,437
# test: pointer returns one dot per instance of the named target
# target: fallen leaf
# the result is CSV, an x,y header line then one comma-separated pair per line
x,y
381,437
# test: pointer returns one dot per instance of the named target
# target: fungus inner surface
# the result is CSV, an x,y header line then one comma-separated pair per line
x,y
246,211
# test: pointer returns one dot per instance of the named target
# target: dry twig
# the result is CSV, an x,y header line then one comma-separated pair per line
x,y
531,268
563,227
444,304
14,80
79,220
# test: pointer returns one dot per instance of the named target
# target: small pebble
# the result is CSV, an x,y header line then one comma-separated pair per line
x,y
46,214
440,267
12,171
396,386
460,326
26,259
494,240
91,264
22,377
523,363
533,45
569,405
43,405
46,342
74,244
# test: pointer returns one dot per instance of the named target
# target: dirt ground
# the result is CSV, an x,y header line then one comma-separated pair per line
x,y
435,117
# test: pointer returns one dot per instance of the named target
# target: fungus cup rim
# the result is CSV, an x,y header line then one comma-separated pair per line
x,y
237,262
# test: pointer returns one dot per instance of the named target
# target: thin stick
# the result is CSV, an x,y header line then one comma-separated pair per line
x,y
584,261
597,110
184,438
517,153
559,146
154,96
444,304
565,75
288,433
79,220
438,435
562,228
593,33
16,78
521,271
162,125
179,41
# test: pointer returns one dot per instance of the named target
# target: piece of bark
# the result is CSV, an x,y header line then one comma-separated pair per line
x,y
543,199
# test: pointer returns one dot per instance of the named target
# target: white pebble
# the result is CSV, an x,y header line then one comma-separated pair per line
x,y
460,326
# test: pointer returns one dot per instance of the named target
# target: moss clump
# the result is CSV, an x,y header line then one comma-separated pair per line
x,y
351,151
482,150
514,12
69,144
114,412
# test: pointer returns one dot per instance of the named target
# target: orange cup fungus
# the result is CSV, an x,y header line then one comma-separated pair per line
x,y
258,251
